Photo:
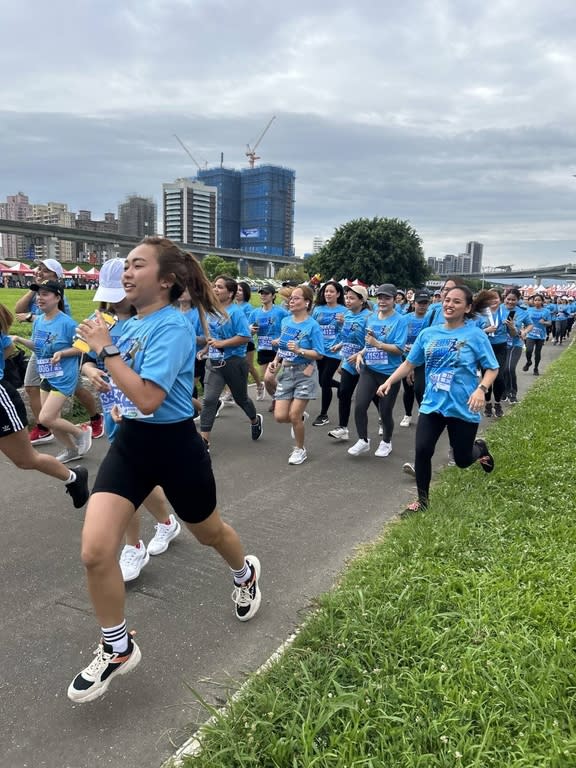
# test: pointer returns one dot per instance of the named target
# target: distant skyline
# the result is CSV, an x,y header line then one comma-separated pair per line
x,y
457,117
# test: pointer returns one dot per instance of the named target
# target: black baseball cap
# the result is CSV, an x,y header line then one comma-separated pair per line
x,y
48,285
386,289
267,289
420,296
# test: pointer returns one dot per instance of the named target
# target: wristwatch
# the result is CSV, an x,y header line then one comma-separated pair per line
x,y
483,388
110,350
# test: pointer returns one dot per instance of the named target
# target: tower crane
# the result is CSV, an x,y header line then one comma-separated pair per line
x,y
251,151
190,155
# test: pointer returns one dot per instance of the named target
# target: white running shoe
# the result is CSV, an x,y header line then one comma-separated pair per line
x,y
380,430
362,446
94,680
132,560
70,454
298,456
340,433
384,449
408,469
84,442
247,597
165,532
260,391
406,421
305,417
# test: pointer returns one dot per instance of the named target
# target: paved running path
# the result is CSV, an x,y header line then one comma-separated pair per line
x,y
302,521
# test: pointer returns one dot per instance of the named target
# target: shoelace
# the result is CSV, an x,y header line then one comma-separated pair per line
x,y
162,531
242,595
98,664
129,556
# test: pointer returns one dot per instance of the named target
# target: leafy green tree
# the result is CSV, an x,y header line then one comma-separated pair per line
x,y
214,265
375,251
292,272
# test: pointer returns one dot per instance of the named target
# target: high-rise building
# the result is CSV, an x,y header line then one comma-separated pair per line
x,y
190,212
58,215
228,183
475,251
16,208
137,216
267,210
88,250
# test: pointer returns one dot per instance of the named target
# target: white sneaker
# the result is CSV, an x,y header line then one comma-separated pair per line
x,y
340,433
260,392
84,442
451,462
165,532
132,560
408,469
70,454
406,421
384,449
298,456
227,398
362,446
305,417
380,430
218,410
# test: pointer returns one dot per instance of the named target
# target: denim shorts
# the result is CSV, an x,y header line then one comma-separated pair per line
x,y
293,384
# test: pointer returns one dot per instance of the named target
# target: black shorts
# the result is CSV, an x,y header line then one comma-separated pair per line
x,y
13,416
173,456
265,356
250,347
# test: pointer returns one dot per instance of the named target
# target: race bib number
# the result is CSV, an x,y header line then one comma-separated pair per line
x,y
349,349
215,354
49,370
126,407
374,355
441,379
288,355
264,342
328,332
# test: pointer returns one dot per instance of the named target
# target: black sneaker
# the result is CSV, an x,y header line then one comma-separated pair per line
x,y
526,367
93,681
536,372
486,460
498,412
488,410
78,489
512,399
247,597
321,421
257,428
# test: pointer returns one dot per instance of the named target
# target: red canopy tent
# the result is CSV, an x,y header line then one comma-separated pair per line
x,y
75,272
17,268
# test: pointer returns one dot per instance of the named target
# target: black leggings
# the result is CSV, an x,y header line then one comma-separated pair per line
x,y
534,346
513,355
368,383
327,367
413,391
346,389
498,387
462,435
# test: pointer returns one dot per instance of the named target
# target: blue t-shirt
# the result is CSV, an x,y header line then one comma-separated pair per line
x,y
414,325
160,348
307,335
269,322
452,357
5,342
192,315
390,330
434,315
48,337
539,331
221,327
351,336
325,316
247,308
520,321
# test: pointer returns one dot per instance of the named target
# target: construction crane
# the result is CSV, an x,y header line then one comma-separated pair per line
x,y
190,155
251,151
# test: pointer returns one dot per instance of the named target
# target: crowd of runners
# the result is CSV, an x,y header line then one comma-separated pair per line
x,y
168,349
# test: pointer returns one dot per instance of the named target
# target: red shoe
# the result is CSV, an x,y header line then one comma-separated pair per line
x,y
97,424
39,435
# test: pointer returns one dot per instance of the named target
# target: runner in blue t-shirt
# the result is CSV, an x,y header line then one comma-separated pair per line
x,y
517,326
227,366
413,385
156,444
329,314
299,346
492,315
135,554
348,343
243,294
540,320
57,362
265,324
386,334
14,441
453,398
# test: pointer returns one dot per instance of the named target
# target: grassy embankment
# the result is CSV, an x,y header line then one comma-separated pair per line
x,y
451,640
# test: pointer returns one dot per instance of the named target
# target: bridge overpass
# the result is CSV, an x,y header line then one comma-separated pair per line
x,y
260,264
561,272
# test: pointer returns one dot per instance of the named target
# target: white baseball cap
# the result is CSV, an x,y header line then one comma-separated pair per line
x,y
53,266
110,286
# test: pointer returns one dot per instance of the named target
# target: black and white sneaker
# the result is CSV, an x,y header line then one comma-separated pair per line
x,y
257,428
486,460
247,597
321,420
93,681
78,489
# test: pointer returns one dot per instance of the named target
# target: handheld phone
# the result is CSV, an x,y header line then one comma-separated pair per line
x,y
511,314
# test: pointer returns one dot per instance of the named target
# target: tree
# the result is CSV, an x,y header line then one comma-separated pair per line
x,y
374,251
215,265
292,272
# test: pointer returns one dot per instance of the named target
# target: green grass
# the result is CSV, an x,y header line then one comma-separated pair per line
x,y
451,640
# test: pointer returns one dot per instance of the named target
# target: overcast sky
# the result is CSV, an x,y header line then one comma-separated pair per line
x,y
457,116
